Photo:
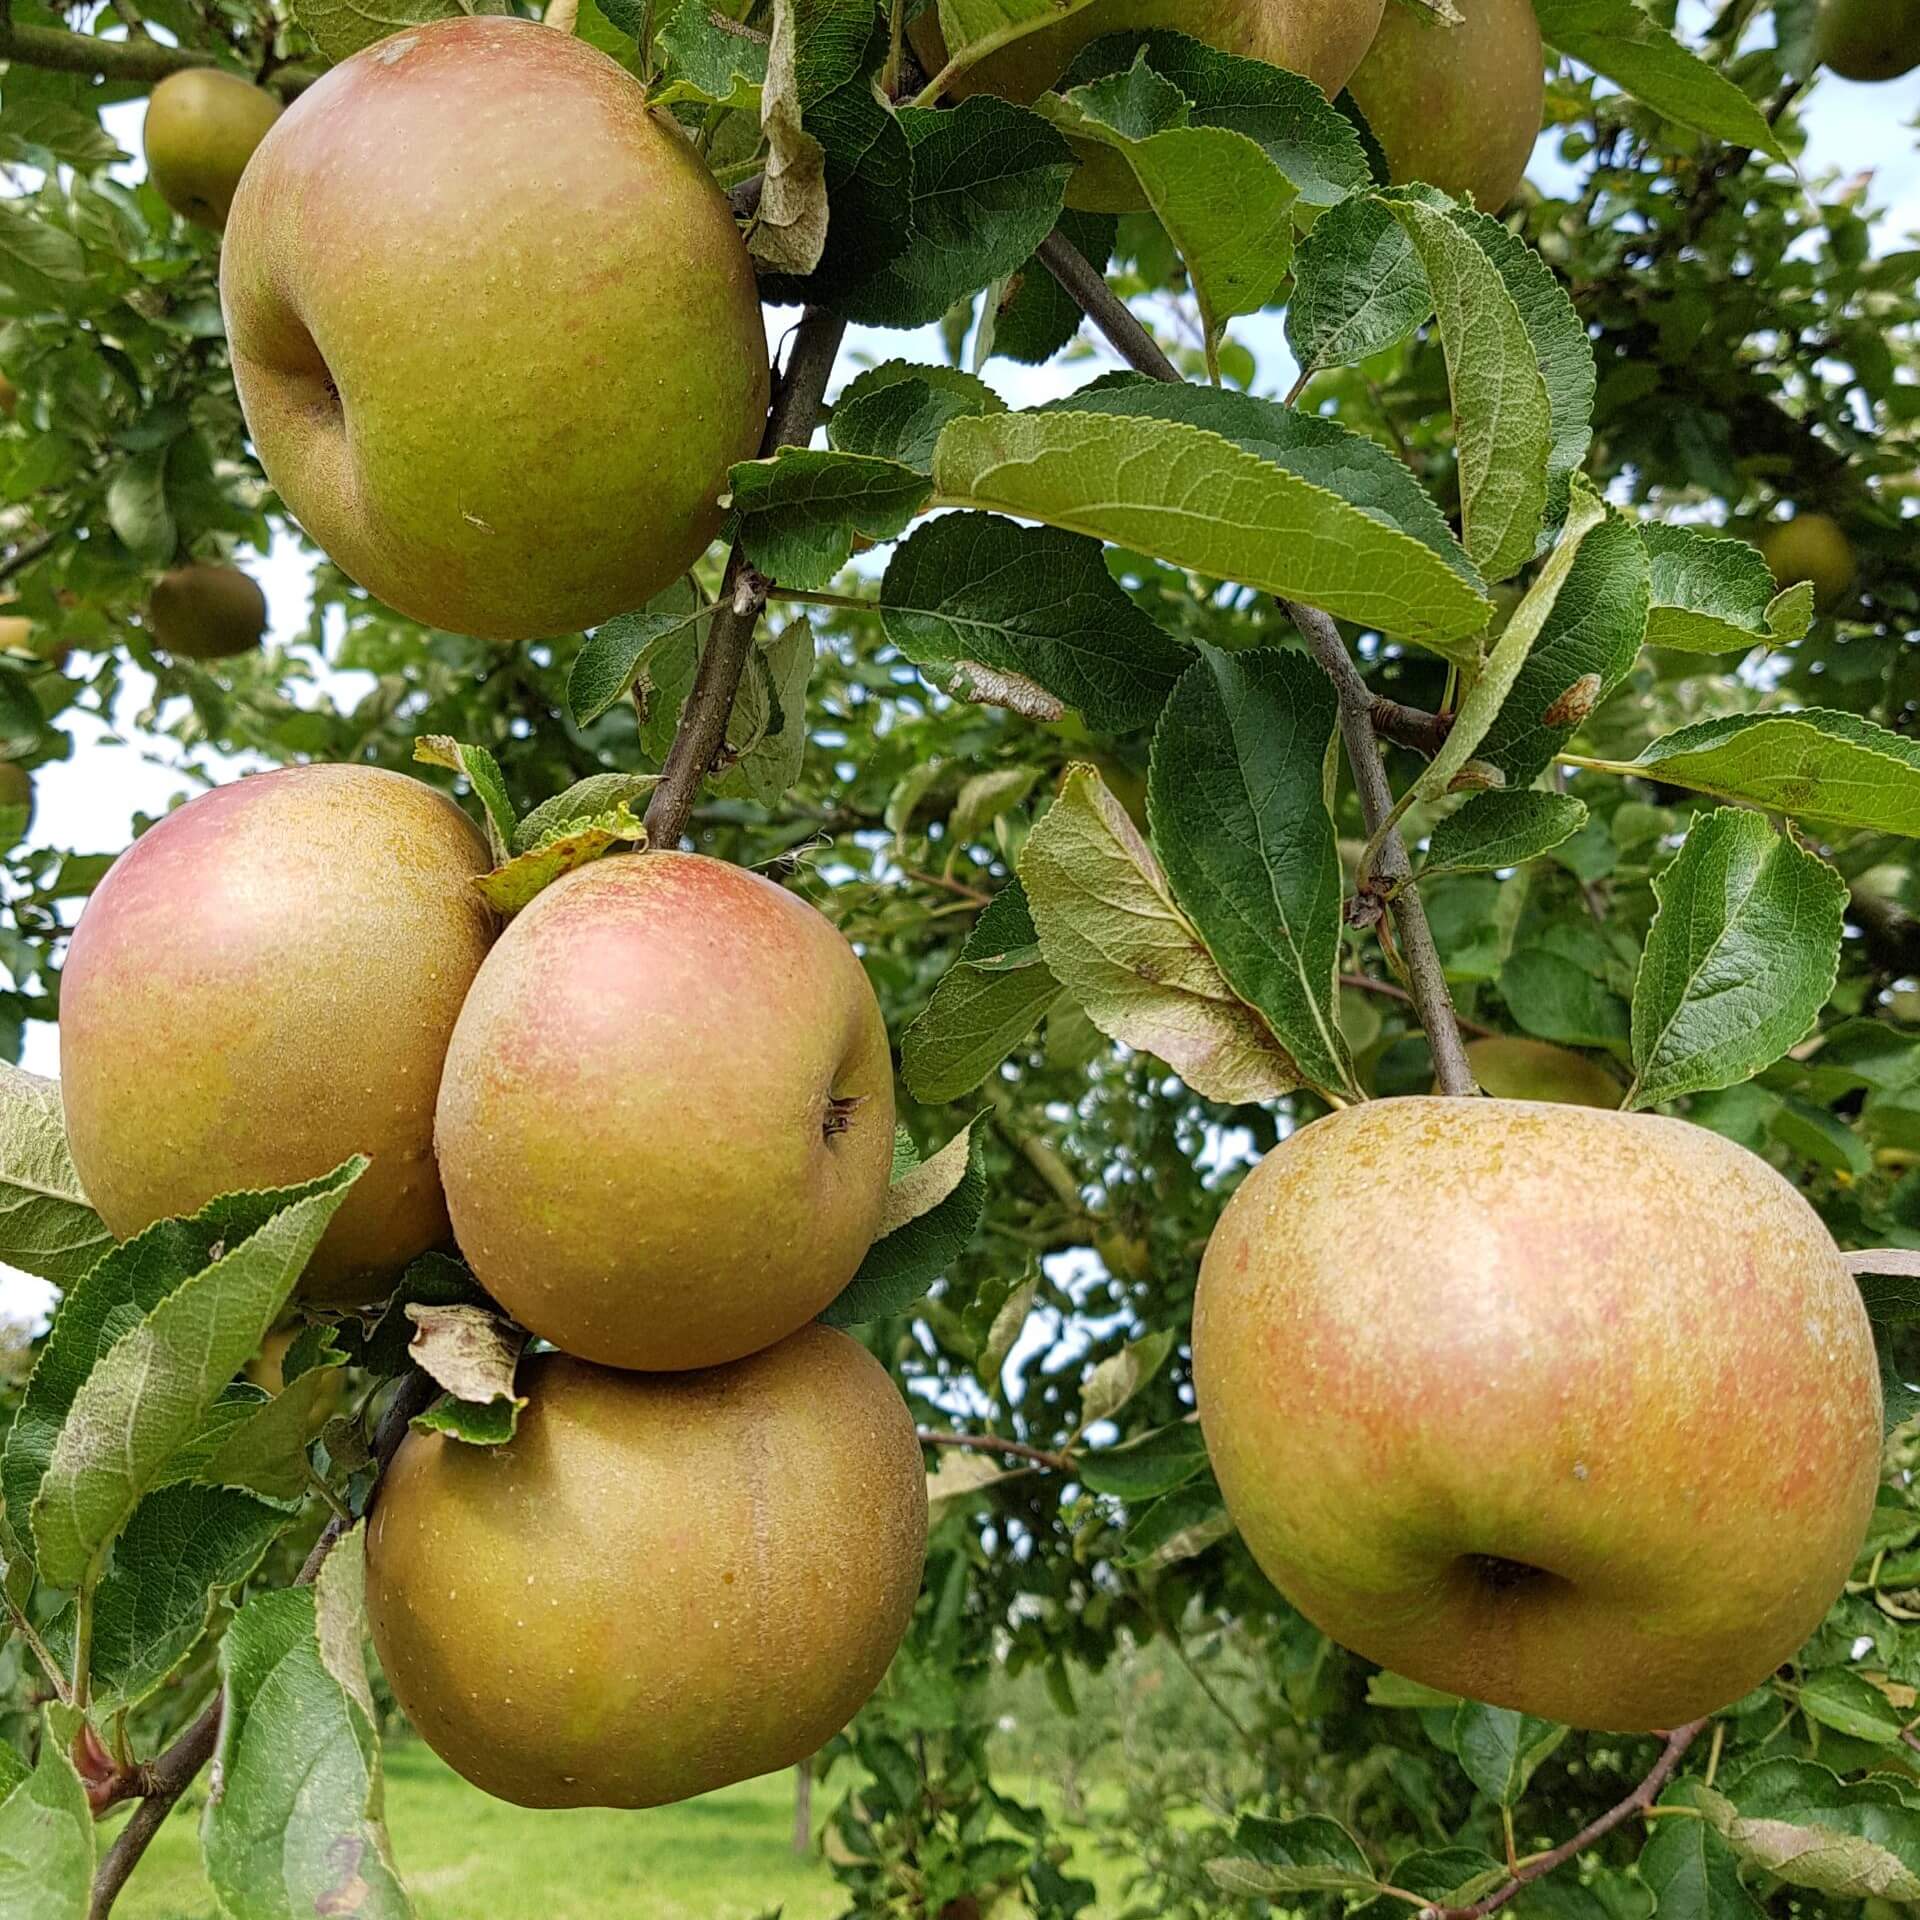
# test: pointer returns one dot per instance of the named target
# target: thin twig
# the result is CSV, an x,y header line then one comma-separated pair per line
x,y
1411,727
1431,999
164,1780
1426,977
1637,1802
1392,990
26,553
743,594
1087,287
972,895
141,61
992,1443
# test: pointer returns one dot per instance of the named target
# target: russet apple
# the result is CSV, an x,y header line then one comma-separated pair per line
x,y
1568,1411
1458,107
495,332
666,1124
662,1583
202,128
263,985
202,612
1811,547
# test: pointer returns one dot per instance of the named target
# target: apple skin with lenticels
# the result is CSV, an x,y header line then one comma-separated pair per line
x,y
1569,1411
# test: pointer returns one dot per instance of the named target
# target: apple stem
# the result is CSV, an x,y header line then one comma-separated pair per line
x,y
702,733
167,1777
1426,978
1638,1802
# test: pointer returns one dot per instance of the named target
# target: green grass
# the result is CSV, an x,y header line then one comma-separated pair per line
x,y
726,1856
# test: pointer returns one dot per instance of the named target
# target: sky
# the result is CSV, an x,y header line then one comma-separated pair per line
x,y
87,802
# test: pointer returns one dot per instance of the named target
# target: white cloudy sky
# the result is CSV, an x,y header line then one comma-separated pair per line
x,y
87,802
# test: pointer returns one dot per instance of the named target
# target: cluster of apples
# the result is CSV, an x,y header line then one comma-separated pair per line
x,y
657,1115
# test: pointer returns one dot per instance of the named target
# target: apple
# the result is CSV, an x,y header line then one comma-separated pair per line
x,y
202,612
666,1125
1813,547
494,329
202,128
1568,1411
1868,39
1511,1068
1458,107
661,1583
263,985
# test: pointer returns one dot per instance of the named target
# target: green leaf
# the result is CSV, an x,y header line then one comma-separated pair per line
x,y
1503,415
482,773
1839,1698
38,130
517,882
895,412
1715,595
1309,140
46,1833
933,1212
149,1390
1552,996
1189,497
41,265
46,1226
1740,959
988,180
1038,316
1618,39
1237,799
986,1003
137,508
1834,768
1499,1750
1311,1854
710,57
340,28
1359,287
1032,601
1178,1526
1224,204
267,1451
1121,1375
283,1839
1502,829
1586,648
618,653
1500,675
1146,1468
972,29
1112,935
1691,1871
584,803
798,514
1446,1876
767,729
1802,1824
183,1548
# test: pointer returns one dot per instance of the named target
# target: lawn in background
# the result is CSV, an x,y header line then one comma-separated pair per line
x,y
726,1856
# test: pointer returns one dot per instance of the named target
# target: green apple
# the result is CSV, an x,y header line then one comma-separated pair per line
x,y
1813,547
1868,39
662,1583
263,985
202,128
1457,107
666,1125
202,612
494,329
1568,1411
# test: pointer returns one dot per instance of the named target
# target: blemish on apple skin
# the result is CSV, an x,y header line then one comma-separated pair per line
x,y
474,520
397,50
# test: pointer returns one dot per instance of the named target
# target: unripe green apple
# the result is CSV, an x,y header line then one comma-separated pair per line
x,y
1511,1068
1868,39
662,1583
202,128
201,612
263,985
1811,546
666,1124
1568,1411
1457,107
494,329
